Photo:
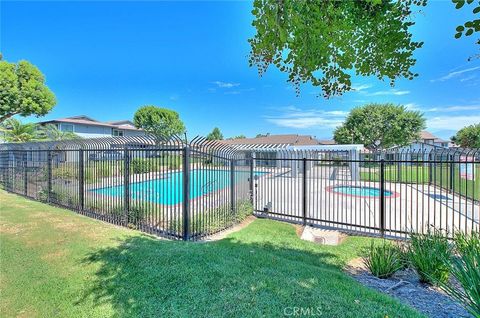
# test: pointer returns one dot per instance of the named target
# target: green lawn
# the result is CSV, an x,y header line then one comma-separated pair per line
x,y
55,263
441,176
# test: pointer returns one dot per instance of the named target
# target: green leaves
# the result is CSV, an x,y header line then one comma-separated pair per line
x,y
23,91
325,42
380,126
468,137
471,26
161,123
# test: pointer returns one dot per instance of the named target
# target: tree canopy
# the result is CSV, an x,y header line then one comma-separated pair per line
x,y
324,42
23,91
380,126
470,26
216,134
162,123
468,137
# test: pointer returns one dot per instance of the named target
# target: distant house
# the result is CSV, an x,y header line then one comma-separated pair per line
x,y
426,142
267,149
87,127
280,141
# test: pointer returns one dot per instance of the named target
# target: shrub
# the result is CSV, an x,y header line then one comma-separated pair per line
x,y
429,254
383,260
465,268
142,165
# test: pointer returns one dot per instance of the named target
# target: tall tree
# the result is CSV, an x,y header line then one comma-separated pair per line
x,y
216,134
380,126
468,137
23,91
162,123
324,41
13,130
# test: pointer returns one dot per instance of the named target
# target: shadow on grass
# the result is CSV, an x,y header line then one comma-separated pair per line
x,y
148,277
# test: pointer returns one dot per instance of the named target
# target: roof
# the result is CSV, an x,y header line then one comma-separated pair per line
x,y
426,135
85,120
292,140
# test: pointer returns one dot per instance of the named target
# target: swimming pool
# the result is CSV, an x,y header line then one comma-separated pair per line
x,y
168,189
357,191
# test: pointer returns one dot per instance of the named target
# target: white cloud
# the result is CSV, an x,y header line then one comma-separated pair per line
x,y
468,78
389,92
293,117
225,84
360,87
451,122
453,108
455,74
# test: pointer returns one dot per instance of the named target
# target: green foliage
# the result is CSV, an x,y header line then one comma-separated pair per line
x,y
23,91
14,130
161,123
216,134
384,260
145,165
238,137
429,254
262,135
471,26
380,126
465,268
324,42
468,137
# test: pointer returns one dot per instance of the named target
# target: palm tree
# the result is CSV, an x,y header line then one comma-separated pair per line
x,y
15,131
51,132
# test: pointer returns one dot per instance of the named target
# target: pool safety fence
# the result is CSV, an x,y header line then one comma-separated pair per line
x,y
190,190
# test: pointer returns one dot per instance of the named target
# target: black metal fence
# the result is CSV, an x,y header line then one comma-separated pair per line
x,y
386,193
173,189
191,190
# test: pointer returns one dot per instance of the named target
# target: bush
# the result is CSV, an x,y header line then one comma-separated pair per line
x,y
429,254
384,260
142,165
465,268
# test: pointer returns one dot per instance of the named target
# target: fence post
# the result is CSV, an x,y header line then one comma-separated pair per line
x,y
232,185
452,173
382,197
126,183
186,193
25,174
430,169
81,180
251,180
304,191
49,175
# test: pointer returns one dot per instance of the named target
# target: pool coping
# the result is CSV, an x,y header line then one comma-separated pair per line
x,y
330,189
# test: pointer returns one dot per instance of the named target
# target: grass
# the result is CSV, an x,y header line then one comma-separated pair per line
x,y
57,263
441,176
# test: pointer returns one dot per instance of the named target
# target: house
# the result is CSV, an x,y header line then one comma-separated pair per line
x,y
87,127
267,149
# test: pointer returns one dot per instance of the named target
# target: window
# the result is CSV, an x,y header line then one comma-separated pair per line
x,y
66,127
117,133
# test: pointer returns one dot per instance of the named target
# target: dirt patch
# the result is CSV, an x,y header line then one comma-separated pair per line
x,y
406,287
235,228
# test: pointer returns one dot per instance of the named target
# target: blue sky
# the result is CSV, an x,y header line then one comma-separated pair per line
x,y
106,59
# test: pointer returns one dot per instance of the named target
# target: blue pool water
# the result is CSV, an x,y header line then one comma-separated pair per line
x,y
168,190
360,191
